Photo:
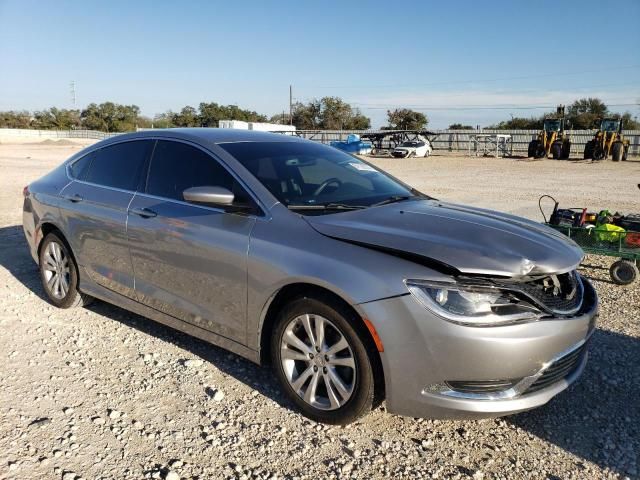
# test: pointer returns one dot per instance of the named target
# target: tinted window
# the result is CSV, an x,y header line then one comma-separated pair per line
x,y
176,166
119,165
309,173
80,167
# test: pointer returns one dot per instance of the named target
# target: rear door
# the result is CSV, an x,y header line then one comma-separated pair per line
x,y
94,211
190,261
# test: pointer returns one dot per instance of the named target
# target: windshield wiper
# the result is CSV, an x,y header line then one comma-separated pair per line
x,y
325,206
393,199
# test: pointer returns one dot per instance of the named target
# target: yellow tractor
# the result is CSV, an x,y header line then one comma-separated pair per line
x,y
552,140
608,140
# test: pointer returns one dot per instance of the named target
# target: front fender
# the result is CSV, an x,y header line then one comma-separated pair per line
x,y
285,251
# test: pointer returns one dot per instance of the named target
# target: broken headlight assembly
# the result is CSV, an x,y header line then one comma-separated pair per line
x,y
475,305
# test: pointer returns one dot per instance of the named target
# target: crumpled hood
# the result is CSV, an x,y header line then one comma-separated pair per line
x,y
470,240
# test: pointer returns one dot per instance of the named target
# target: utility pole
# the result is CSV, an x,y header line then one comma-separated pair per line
x,y
290,105
73,93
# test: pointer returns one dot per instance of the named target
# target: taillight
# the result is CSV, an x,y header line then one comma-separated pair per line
x,y
25,191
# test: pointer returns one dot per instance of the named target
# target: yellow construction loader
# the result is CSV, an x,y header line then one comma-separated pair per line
x,y
552,140
608,141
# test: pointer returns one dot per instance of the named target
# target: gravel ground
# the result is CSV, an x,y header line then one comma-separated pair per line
x,y
103,393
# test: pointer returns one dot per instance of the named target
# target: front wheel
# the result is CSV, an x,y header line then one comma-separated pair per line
x,y
556,151
617,152
321,361
588,150
59,273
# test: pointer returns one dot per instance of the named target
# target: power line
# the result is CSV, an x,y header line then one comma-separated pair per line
x,y
457,82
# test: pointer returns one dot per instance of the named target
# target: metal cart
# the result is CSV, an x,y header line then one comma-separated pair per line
x,y
612,244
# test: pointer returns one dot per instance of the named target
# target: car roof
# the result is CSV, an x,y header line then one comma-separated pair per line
x,y
207,135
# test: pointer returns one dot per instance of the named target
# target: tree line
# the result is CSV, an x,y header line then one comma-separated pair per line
x,y
327,113
583,114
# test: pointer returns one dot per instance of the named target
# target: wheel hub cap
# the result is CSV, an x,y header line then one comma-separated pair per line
x,y
55,269
318,362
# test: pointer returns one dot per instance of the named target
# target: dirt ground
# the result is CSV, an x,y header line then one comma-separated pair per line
x,y
102,393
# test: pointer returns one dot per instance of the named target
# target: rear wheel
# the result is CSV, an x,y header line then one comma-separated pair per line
x,y
59,273
556,151
321,361
623,272
617,152
626,152
566,150
588,150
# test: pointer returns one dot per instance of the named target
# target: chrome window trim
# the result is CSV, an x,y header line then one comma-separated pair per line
x,y
264,212
514,392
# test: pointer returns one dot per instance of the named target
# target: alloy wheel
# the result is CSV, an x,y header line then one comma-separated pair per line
x,y
318,362
55,267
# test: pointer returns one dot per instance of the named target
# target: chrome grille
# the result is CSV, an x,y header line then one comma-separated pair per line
x,y
562,294
561,368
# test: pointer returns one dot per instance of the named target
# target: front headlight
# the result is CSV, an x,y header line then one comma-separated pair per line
x,y
476,305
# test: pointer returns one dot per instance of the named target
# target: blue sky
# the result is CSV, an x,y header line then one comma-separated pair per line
x,y
448,59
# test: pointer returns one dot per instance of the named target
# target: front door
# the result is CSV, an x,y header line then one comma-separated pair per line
x,y
190,261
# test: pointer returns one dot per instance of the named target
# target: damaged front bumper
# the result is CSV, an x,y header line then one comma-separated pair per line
x,y
438,369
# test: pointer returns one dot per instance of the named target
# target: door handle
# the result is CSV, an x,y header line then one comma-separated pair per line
x,y
143,212
75,198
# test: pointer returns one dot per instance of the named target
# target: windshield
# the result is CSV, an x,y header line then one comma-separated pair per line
x,y
609,125
412,144
552,125
305,173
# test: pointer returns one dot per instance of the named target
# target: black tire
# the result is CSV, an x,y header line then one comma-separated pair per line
x,y
626,152
617,151
588,150
623,272
556,151
533,147
363,396
73,297
598,153
566,150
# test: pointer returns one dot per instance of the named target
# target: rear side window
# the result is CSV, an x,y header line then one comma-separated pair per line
x,y
120,165
79,168
176,166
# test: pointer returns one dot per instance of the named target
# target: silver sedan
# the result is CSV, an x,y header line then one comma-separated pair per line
x,y
355,287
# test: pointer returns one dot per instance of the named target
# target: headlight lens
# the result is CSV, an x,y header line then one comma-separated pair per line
x,y
476,305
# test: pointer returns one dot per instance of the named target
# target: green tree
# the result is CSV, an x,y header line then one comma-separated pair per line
x,y
56,119
110,117
210,114
406,119
307,116
460,126
187,117
163,120
280,119
329,113
15,119
584,113
519,123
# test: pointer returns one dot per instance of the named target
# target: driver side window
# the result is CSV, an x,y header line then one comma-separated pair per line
x,y
176,166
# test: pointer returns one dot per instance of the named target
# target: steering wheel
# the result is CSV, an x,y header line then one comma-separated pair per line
x,y
325,184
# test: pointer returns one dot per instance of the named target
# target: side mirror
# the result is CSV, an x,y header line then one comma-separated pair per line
x,y
208,195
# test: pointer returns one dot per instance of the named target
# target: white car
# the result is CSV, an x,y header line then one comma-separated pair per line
x,y
413,148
